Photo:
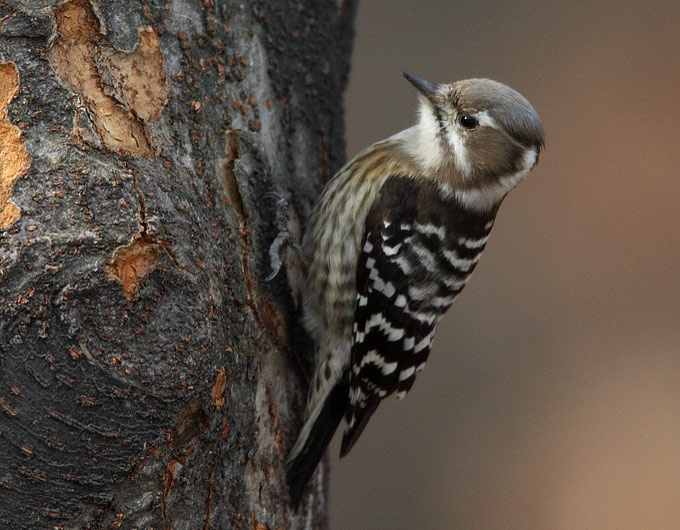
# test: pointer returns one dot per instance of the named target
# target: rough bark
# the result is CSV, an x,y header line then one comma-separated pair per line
x,y
149,378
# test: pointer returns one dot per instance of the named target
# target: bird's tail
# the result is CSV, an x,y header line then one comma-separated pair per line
x,y
358,424
314,437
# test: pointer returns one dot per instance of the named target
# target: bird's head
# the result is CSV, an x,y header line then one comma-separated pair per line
x,y
477,133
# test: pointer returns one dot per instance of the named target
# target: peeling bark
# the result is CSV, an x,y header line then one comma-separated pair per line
x,y
14,159
148,376
121,91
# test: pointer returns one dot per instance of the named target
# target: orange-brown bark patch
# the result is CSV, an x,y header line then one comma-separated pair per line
x,y
219,387
138,77
14,159
122,91
132,262
227,177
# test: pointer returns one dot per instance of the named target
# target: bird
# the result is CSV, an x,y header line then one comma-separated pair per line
x,y
391,241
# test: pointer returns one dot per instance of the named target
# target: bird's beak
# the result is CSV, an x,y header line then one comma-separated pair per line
x,y
427,89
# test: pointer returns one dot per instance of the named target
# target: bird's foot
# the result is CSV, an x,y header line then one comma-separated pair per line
x,y
285,239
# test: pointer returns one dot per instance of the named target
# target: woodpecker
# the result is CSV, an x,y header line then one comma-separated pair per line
x,y
392,240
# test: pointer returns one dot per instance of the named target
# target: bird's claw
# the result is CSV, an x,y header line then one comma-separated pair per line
x,y
284,238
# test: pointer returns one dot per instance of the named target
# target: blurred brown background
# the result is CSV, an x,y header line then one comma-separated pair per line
x,y
552,397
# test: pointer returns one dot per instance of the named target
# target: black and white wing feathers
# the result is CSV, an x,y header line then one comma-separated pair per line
x,y
414,261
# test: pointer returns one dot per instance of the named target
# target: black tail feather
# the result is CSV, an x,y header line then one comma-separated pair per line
x,y
352,435
301,469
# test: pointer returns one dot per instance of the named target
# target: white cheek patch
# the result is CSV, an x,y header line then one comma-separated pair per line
x,y
460,156
427,148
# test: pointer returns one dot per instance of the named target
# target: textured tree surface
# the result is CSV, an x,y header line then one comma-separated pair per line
x,y
149,377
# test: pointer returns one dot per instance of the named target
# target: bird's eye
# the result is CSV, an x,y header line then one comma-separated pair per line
x,y
468,122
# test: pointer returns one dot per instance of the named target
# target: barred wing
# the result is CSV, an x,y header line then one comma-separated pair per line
x,y
418,251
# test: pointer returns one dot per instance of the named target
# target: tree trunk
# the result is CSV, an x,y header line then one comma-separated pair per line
x,y
149,377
